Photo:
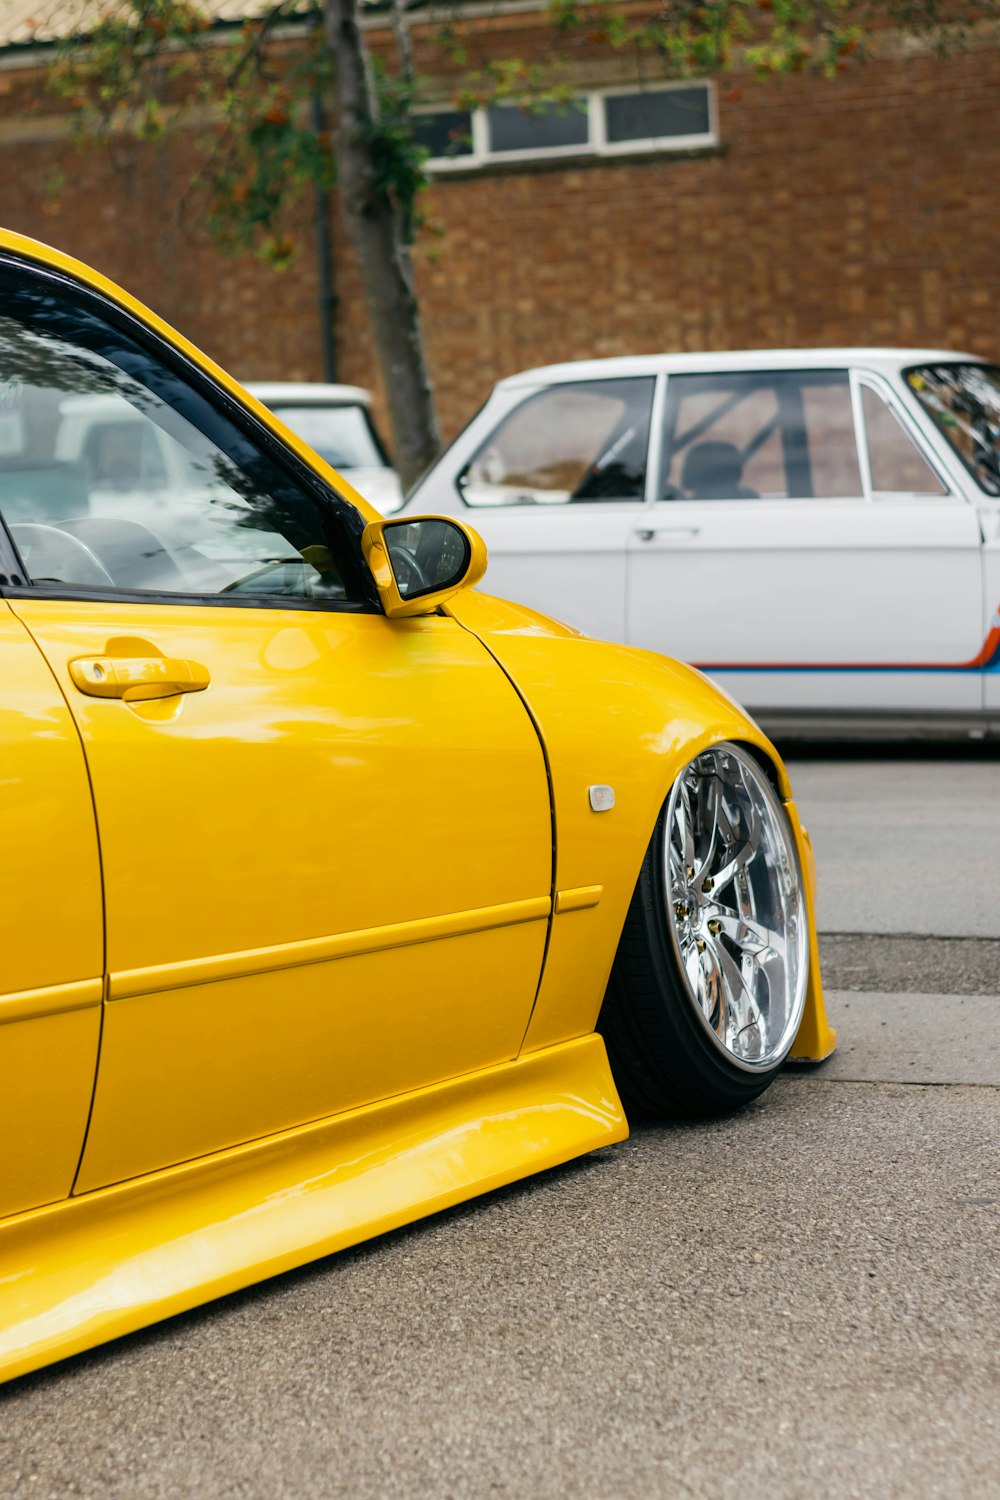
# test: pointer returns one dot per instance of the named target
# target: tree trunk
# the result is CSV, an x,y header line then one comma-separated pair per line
x,y
382,259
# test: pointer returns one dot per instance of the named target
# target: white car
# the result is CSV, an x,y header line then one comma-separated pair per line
x,y
336,421
819,530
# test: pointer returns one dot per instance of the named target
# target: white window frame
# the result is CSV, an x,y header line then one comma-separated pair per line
x,y
597,144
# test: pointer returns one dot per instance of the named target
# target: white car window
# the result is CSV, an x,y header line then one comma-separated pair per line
x,y
897,465
343,435
580,442
783,435
828,429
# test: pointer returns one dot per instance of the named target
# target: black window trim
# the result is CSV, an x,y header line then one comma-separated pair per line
x,y
343,516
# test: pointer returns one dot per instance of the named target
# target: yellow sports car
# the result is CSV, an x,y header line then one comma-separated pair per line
x,y
330,885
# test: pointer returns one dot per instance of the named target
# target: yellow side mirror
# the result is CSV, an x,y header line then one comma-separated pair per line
x,y
417,564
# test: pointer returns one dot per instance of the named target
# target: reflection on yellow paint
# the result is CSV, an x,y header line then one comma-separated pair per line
x,y
292,650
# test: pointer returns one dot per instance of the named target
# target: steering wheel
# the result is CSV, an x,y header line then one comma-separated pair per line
x,y
410,576
52,555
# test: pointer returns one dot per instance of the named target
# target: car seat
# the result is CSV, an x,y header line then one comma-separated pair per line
x,y
713,471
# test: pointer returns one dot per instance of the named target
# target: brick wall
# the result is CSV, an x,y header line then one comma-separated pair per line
x,y
861,210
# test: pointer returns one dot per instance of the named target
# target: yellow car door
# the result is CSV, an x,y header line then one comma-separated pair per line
x,y
325,835
50,892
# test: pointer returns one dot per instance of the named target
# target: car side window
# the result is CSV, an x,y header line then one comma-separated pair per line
x,y
784,435
115,474
897,465
576,442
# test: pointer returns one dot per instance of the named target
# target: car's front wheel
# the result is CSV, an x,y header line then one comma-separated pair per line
x,y
709,982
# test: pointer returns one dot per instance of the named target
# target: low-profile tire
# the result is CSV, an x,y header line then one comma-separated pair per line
x,y
709,981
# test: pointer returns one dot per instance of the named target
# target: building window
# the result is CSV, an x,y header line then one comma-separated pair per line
x,y
446,133
552,127
611,122
658,116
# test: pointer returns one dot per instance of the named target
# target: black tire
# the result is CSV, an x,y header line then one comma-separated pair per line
x,y
664,1060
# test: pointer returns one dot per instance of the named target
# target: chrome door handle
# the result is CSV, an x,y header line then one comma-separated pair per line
x,y
647,533
134,678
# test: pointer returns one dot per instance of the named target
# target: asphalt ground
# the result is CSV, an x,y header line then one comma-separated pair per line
x,y
802,1300
905,844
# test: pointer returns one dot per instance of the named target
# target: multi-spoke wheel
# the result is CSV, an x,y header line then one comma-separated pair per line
x,y
709,983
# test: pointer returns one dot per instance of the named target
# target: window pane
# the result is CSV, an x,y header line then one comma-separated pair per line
x,y
723,438
779,435
832,444
897,464
964,401
106,484
570,442
514,129
657,113
444,132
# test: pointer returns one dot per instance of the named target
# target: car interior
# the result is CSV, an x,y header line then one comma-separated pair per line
x,y
714,471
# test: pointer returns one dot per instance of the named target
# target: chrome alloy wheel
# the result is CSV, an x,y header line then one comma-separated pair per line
x,y
736,907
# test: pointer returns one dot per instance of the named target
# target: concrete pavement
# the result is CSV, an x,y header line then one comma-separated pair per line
x,y
904,844
923,965
915,1039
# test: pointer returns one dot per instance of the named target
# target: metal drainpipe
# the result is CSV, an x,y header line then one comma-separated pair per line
x,y
327,296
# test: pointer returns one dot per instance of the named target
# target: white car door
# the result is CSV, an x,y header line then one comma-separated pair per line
x,y
804,550
555,487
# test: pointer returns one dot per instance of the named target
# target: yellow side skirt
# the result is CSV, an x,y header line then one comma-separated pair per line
x,y
92,1268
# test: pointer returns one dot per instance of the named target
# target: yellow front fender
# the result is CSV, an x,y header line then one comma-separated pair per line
x,y
629,719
